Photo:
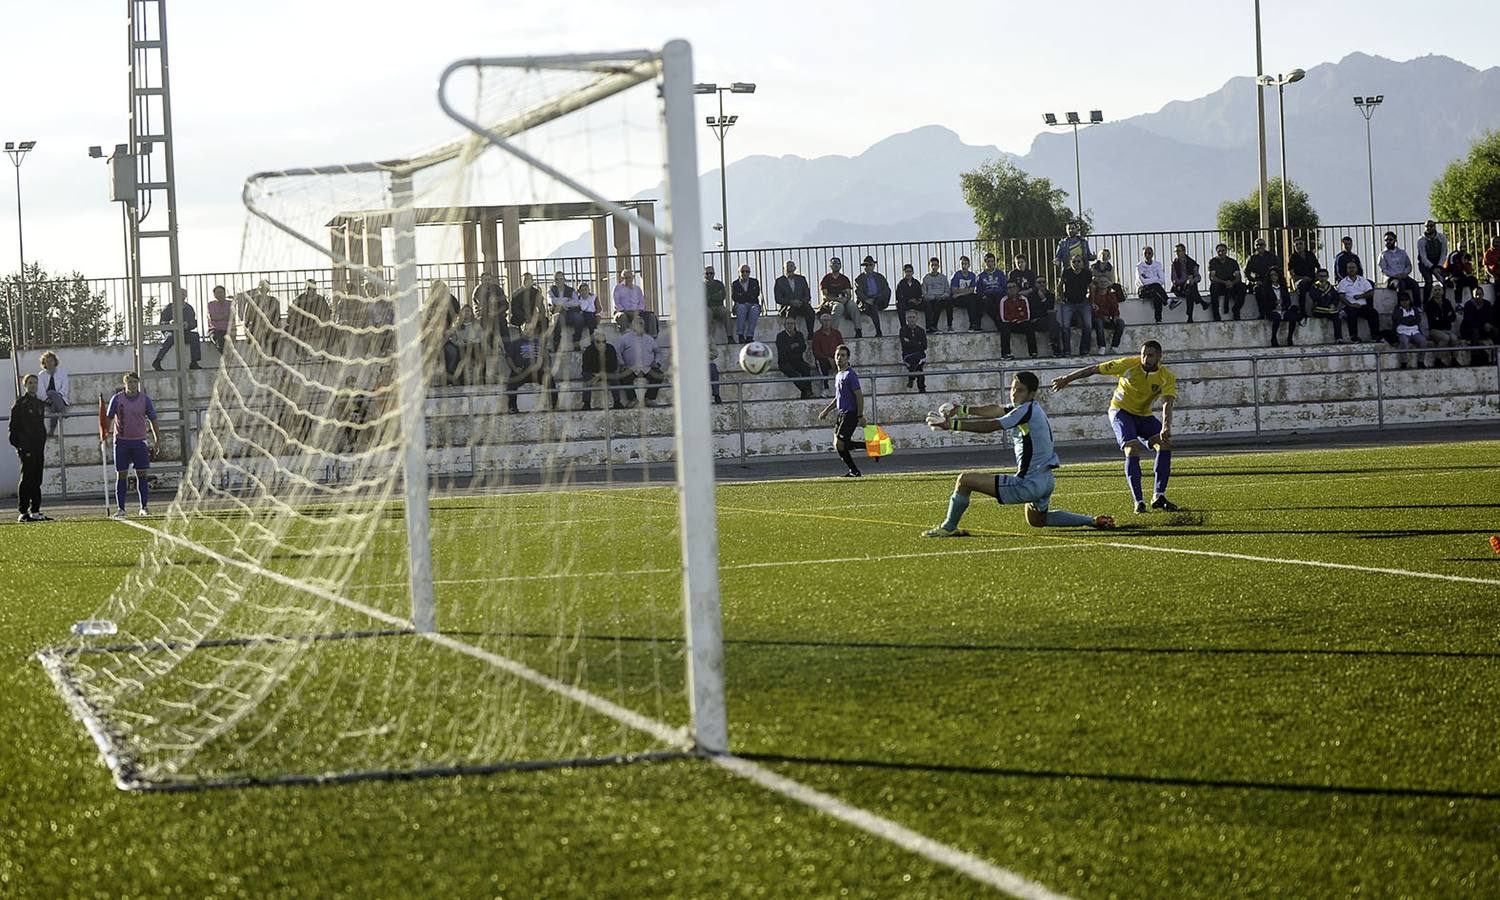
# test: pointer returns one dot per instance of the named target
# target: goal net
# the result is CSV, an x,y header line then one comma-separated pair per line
x,y
401,547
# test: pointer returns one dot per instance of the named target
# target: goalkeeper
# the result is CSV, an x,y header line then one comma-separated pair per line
x,y
1035,459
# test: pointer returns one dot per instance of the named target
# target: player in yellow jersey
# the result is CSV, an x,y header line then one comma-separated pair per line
x,y
1143,380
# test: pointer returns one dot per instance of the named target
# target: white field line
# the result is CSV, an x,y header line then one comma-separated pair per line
x,y
967,864
1314,563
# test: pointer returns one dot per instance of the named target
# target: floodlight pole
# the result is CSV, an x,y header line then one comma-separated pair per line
x,y
1281,81
1366,106
17,152
1074,120
720,127
1078,172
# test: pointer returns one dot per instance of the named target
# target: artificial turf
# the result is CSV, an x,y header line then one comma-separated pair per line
x,y
1083,708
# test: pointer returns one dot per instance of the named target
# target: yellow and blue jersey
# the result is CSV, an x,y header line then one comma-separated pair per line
x,y
1138,389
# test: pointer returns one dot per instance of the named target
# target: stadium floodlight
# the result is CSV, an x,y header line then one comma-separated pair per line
x,y
1366,105
96,152
1049,118
720,127
1073,118
1096,116
704,87
1279,82
741,87
18,312
1073,121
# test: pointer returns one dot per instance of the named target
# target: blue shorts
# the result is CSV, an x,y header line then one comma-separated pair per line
x,y
1035,488
1131,428
132,453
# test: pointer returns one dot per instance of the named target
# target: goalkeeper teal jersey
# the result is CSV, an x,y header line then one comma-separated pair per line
x,y
1031,434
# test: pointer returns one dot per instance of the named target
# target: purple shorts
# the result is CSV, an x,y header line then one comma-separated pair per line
x,y
132,453
1130,427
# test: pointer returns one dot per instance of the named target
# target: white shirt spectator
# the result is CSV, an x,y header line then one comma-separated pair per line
x,y
59,383
629,297
588,301
1351,286
1394,263
1148,273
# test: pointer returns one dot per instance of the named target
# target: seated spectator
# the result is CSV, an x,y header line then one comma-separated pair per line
x,y
965,292
1442,318
1103,265
641,360
1303,269
1346,256
1260,264
443,319
838,294
793,296
1477,328
528,362
989,292
937,294
909,294
169,315
1278,305
563,312
1395,266
490,308
872,294
1015,318
791,356
1105,297
1150,282
1359,302
1224,283
1076,306
825,341
630,304
1432,255
745,294
588,307
1044,316
469,337
717,298
1492,264
1327,303
601,369
1406,321
1460,272
52,390
219,317
1073,245
528,306
1186,276
914,352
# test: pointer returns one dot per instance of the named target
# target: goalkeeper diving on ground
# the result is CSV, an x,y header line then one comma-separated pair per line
x,y
1036,457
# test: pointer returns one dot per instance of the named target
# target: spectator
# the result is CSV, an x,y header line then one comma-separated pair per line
x,y
1258,267
1104,298
1477,327
1395,265
1071,246
990,292
262,317
1460,271
601,368
490,307
53,390
1224,282
1347,255
630,304
308,317
1044,316
914,352
1327,303
1104,265
717,298
563,312
28,434
1150,283
793,296
469,338
791,356
1442,316
1432,255
1359,301
219,317
528,362
1406,321
1303,271
746,296
838,294
825,341
1076,306
527,307
872,295
444,317
909,294
1492,264
1022,274
937,294
1277,305
713,374
189,331
1016,318
964,286
1186,276
588,307
641,360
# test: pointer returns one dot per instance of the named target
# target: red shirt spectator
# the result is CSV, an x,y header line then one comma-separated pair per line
x,y
826,340
1492,260
1015,309
1106,300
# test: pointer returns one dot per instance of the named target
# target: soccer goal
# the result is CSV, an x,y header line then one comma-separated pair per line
x,y
394,552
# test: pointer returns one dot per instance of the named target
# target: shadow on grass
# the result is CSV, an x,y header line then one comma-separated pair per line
x,y
1369,507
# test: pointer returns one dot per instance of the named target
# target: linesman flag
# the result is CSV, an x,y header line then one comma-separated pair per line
x,y
877,442
103,421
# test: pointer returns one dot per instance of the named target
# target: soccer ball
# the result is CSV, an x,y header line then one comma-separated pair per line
x,y
755,358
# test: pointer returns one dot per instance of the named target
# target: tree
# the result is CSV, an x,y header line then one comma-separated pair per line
x,y
59,311
1469,189
1010,204
1239,220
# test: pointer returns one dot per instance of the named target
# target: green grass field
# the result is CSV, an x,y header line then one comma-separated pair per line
x,y
1139,713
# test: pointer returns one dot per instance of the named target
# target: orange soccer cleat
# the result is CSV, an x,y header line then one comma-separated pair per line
x,y
1495,542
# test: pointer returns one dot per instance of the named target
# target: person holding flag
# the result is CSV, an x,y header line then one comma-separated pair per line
x,y
134,426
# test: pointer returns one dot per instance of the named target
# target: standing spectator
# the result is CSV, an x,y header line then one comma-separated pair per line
x,y
1022,273
1327,303
1442,316
1406,321
1395,265
909,294
872,294
1104,265
965,286
717,298
914,352
1346,256
588,307
1044,316
1015,318
1224,282
1303,271
1151,284
1277,306
1432,255
990,291
1477,327
261,314
1492,264
1259,266
443,319
745,293
1104,298
189,331
641,359
838,294
1359,301
134,418
28,434
219,317
937,294
825,342
791,356
1071,246
601,368
563,312
849,400
793,295
469,337
1461,271
490,307
53,390
1076,306
527,306
308,317
529,363
1186,277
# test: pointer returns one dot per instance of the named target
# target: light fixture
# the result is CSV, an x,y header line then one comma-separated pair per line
x,y
1073,118
742,87
705,88
1049,118
1096,116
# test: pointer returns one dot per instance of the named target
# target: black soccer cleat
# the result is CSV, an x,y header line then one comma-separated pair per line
x,y
1162,503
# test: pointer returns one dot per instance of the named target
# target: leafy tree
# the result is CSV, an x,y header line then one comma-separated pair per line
x,y
1239,220
58,312
1470,188
1009,204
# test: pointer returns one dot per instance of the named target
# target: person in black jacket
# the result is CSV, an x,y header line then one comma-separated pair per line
x,y
601,367
28,434
791,356
909,294
1441,330
744,293
1303,269
794,296
914,351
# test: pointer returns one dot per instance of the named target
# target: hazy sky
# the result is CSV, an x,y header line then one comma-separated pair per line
x,y
273,83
